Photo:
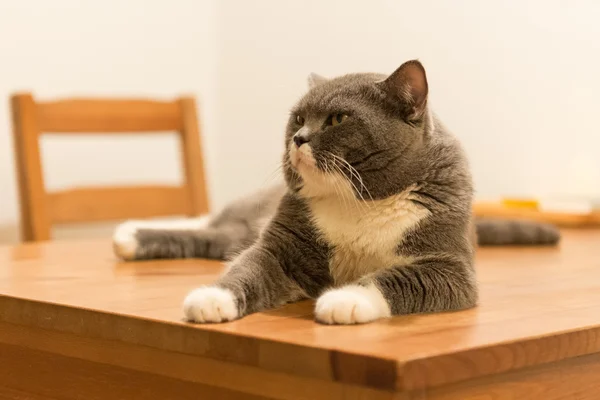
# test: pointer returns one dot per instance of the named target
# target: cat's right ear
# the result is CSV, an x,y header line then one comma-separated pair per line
x,y
408,84
315,80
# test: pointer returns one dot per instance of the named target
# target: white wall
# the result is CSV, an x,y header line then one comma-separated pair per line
x,y
517,81
105,48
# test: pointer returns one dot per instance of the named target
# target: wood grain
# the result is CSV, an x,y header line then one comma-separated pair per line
x,y
576,378
114,203
15,394
535,335
200,371
35,372
109,116
40,209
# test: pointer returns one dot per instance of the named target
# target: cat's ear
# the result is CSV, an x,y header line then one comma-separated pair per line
x,y
409,84
315,80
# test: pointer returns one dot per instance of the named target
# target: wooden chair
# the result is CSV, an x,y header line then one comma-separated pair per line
x,y
41,209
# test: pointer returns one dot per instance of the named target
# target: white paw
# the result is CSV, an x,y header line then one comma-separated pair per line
x,y
351,304
210,304
124,240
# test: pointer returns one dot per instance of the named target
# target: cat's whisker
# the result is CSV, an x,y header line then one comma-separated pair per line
x,y
277,173
338,189
326,174
353,198
354,172
357,174
340,173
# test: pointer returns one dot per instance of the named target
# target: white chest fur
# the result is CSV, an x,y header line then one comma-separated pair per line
x,y
365,236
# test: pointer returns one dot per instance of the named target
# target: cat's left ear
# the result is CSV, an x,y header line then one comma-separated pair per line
x,y
315,80
409,85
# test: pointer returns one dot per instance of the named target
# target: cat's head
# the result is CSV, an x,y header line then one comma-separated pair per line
x,y
358,135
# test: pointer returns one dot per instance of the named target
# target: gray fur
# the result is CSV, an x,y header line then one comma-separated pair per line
x,y
286,264
517,232
229,232
393,143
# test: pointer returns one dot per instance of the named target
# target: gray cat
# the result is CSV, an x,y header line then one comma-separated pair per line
x,y
374,219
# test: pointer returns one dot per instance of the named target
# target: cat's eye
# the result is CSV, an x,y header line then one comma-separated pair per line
x,y
336,119
299,120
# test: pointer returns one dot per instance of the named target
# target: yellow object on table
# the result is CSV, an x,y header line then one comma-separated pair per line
x,y
558,217
529,204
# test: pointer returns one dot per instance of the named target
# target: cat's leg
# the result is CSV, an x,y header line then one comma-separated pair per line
x,y
217,236
141,239
429,284
284,265
254,282
188,238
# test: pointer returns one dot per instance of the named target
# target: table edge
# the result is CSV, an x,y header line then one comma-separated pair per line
x,y
342,366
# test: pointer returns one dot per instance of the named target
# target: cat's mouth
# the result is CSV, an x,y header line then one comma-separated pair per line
x,y
302,158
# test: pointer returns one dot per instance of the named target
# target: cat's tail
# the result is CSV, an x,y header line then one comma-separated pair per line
x,y
496,232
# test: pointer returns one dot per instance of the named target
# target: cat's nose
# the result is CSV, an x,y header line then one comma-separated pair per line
x,y
300,139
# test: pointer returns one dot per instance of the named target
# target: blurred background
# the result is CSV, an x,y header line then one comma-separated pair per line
x,y
516,81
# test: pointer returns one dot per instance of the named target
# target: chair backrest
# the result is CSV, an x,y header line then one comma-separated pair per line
x,y
41,209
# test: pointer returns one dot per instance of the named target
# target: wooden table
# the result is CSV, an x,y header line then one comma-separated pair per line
x,y
75,323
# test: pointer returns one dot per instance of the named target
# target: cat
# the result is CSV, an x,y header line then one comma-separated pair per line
x,y
374,218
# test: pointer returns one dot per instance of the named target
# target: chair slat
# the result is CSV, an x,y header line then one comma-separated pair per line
x,y
30,178
114,203
193,164
109,116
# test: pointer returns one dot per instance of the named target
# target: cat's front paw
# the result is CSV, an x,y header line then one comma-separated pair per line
x,y
125,241
210,304
352,304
